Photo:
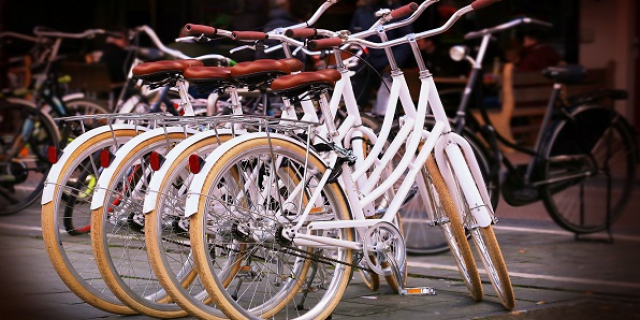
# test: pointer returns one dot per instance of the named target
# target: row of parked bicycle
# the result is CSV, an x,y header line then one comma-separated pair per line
x,y
253,216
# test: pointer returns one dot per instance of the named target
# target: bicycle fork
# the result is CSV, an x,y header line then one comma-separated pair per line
x,y
460,169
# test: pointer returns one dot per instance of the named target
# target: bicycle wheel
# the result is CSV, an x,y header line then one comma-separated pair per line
x,y
117,227
167,229
485,242
421,239
590,169
277,277
26,135
66,217
453,231
84,106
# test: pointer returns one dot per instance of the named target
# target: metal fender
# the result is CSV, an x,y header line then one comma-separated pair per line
x,y
195,188
100,191
56,169
154,185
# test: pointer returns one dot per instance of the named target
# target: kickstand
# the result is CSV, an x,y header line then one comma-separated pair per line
x,y
584,237
606,169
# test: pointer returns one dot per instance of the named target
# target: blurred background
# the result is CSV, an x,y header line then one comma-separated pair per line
x,y
594,33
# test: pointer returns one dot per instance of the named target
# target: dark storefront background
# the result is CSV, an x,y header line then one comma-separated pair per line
x,y
167,17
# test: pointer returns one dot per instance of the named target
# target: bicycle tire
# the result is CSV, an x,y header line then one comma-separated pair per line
x,y
24,171
596,141
162,238
117,233
482,236
221,161
491,256
72,257
457,239
421,239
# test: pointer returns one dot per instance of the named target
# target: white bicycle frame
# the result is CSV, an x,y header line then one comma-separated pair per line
x,y
453,154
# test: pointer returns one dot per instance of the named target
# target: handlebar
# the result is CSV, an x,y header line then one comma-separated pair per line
x,y
398,24
413,8
324,43
316,15
356,38
196,30
40,31
404,10
176,53
10,34
249,35
312,20
301,33
479,4
508,25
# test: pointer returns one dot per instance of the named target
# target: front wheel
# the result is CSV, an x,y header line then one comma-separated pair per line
x,y
452,229
589,168
483,237
420,238
491,256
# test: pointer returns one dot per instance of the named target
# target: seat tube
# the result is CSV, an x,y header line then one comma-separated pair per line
x,y
545,121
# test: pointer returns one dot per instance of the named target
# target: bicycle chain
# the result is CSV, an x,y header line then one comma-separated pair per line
x,y
302,254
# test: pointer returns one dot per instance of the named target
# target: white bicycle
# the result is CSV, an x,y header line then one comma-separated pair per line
x,y
296,212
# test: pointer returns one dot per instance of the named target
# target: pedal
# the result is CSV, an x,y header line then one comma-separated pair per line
x,y
422,291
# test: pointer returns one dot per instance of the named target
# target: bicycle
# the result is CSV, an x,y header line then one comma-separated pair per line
x,y
70,185
132,160
139,148
275,227
25,150
165,230
582,146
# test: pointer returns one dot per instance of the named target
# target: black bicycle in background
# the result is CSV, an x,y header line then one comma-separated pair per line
x,y
584,149
29,133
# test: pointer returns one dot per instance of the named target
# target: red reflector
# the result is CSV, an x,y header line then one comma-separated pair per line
x,y
180,109
105,158
195,163
155,160
53,154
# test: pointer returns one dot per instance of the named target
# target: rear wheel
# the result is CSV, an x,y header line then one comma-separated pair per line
x,y
277,277
117,231
591,162
167,234
66,220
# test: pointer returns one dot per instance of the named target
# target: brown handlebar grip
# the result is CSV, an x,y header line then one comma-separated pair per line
x,y
191,29
301,33
324,43
404,10
249,35
479,4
